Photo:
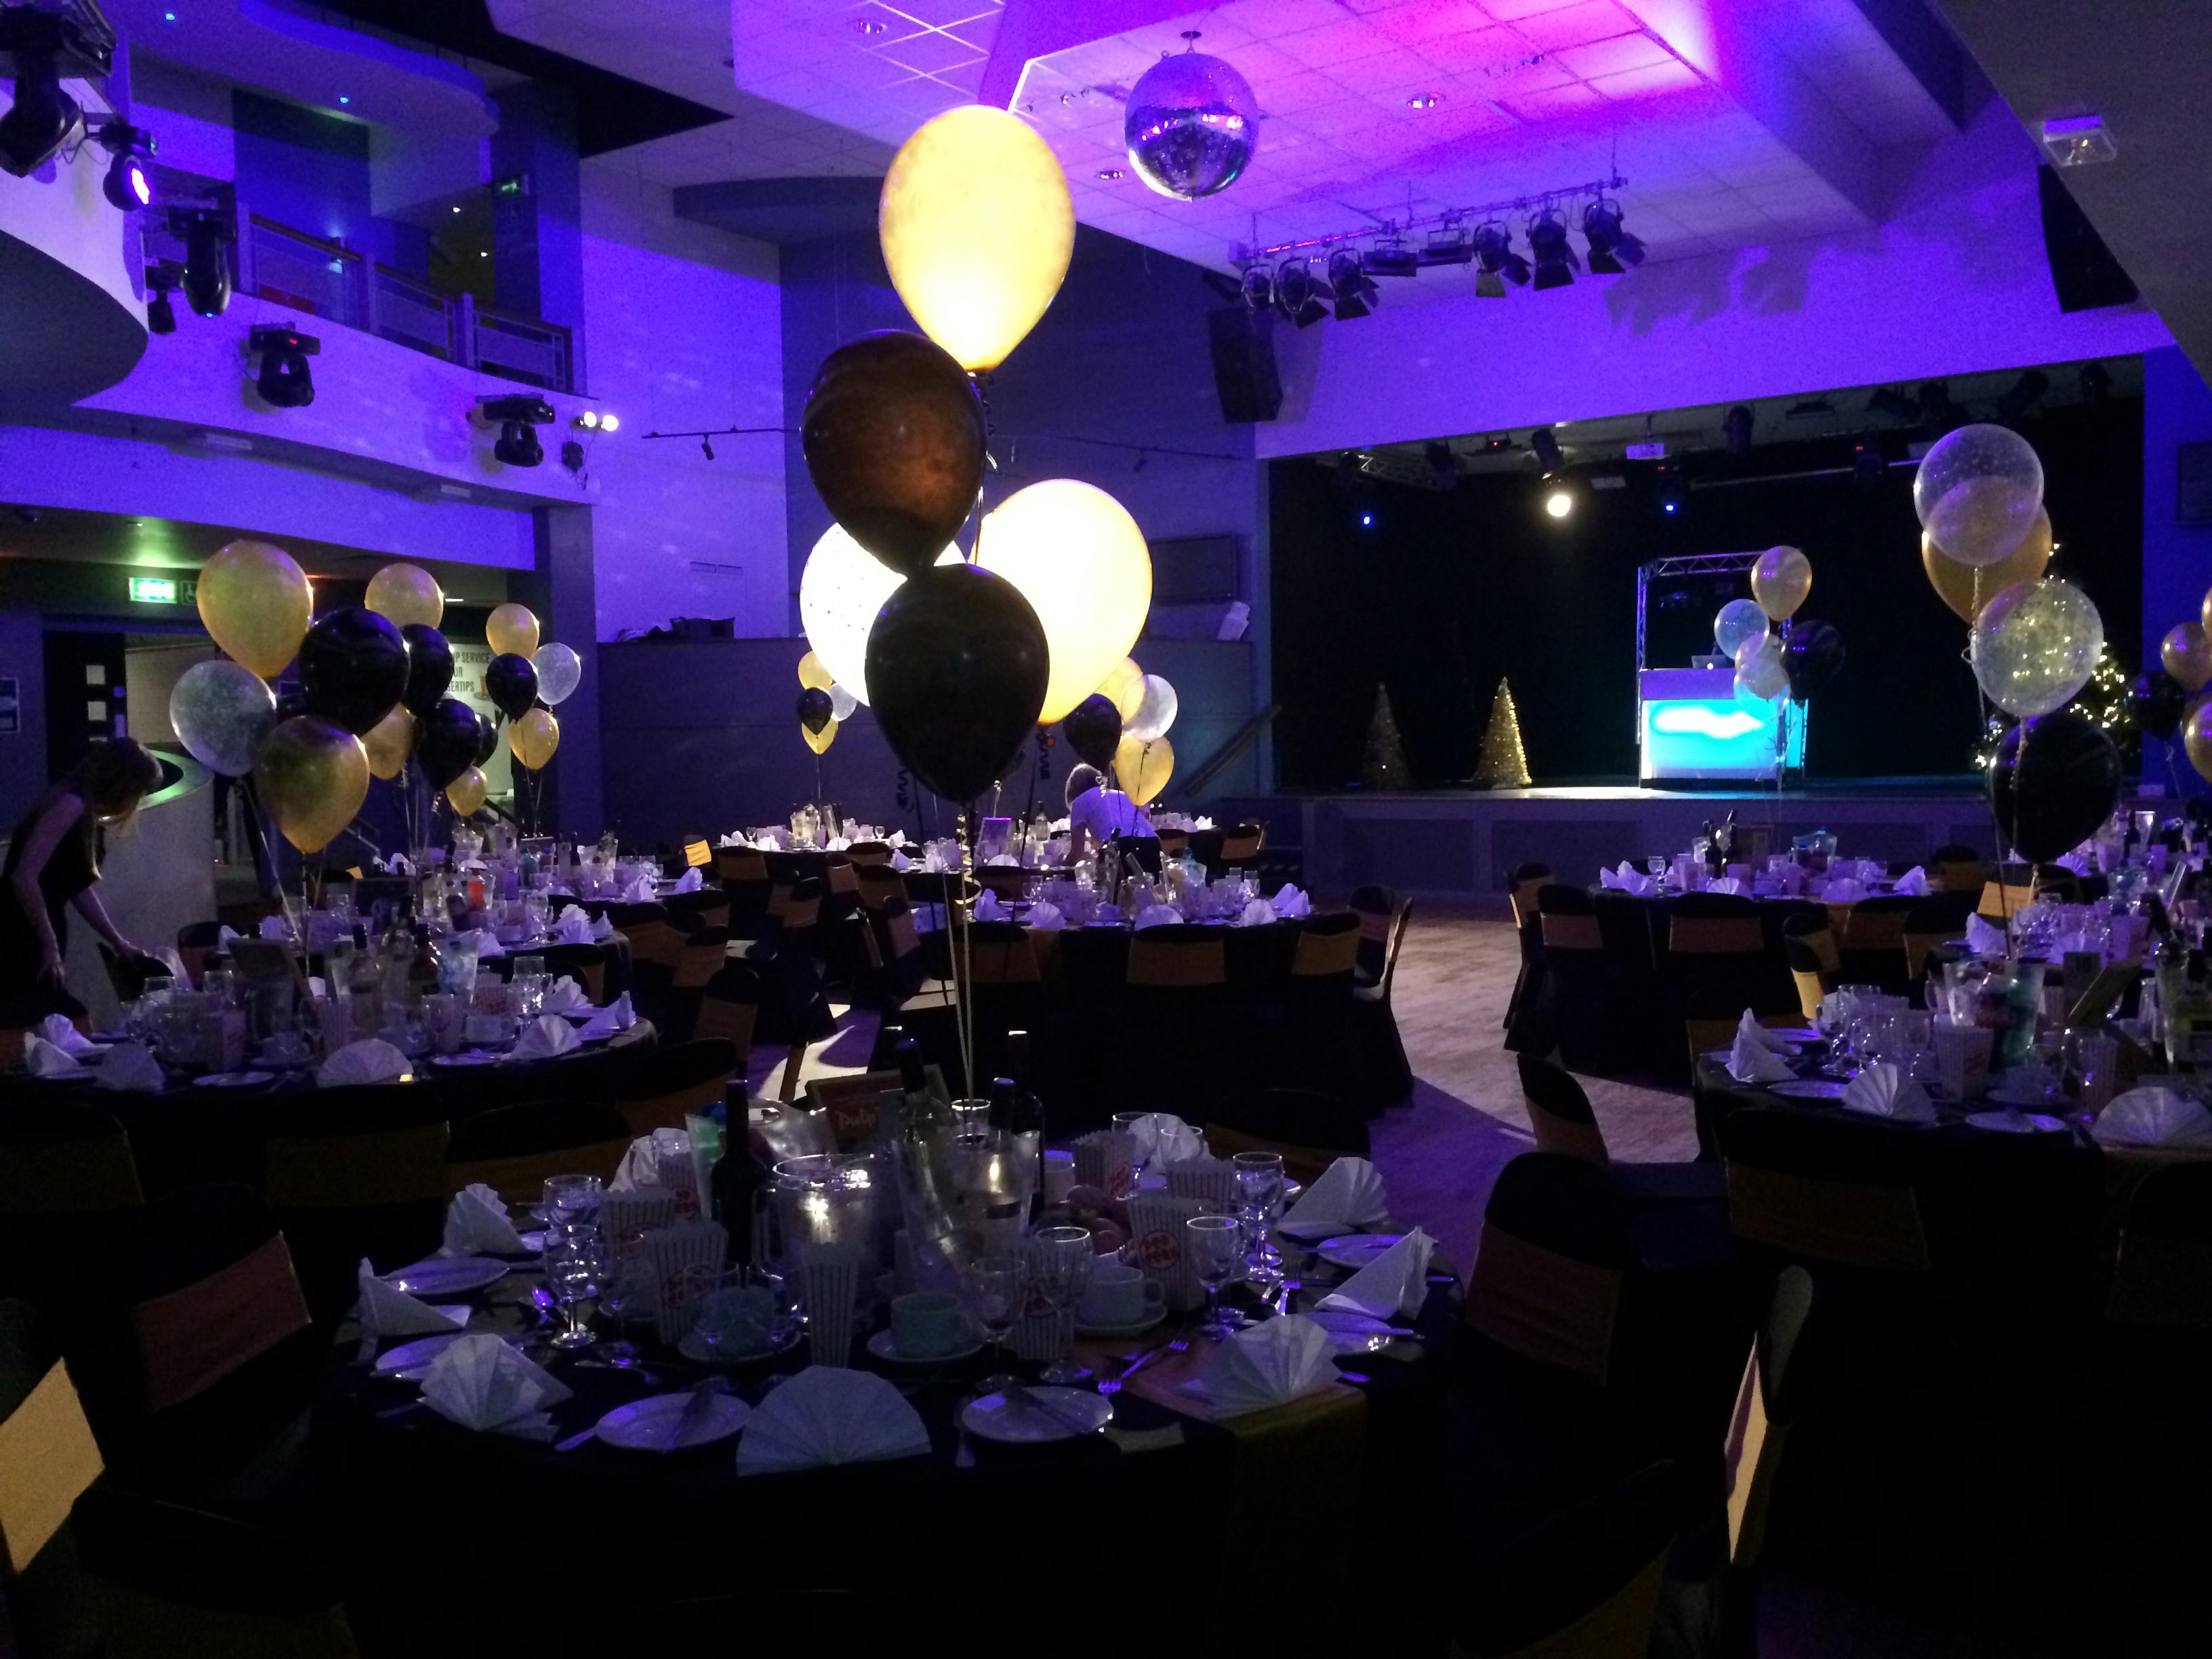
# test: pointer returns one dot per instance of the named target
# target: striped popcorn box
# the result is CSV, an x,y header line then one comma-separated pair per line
x,y
828,1285
1043,1336
686,1258
1106,1159
1156,1232
1213,1179
625,1218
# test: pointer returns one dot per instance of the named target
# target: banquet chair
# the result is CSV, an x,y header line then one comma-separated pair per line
x,y
1871,947
1825,1192
2011,891
1172,1018
1713,945
1311,1130
1527,881
2056,884
588,964
1559,1113
515,1149
1005,978
705,953
659,1088
1584,1584
688,913
867,854
1173,844
878,885
1326,955
1376,906
1929,923
729,1007
794,1004
735,866
1710,1019
128,978
1955,867
196,942
1009,882
1380,1071
69,1200
1808,945
1582,986
48,1457
1241,846
2162,1269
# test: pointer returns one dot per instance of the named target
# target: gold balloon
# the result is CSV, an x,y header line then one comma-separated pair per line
x,y
977,228
2196,737
1124,689
1143,768
534,737
819,742
389,742
2187,653
1967,587
404,593
1082,563
511,630
312,776
812,675
256,603
1780,582
467,791
2206,614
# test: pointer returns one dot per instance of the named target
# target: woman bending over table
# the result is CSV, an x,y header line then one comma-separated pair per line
x,y
1095,814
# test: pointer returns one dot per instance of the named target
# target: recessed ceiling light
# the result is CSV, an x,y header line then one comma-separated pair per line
x,y
457,207
1111,174
1424,100
871,25
343,99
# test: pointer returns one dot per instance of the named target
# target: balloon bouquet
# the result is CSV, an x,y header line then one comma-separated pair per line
x,y
1772,668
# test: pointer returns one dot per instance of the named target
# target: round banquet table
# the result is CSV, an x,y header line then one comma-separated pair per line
x,y
1167,1521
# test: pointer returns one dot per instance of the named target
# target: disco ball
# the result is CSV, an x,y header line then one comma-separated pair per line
x,y
1192,126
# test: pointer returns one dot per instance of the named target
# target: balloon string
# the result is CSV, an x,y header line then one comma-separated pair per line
x,y
960,912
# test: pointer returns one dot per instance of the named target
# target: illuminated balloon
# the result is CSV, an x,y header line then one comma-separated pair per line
x,y
2187,654
1143,768
560,671
819,742
1080,561
842,703
221,712
312,776
2036,644
1762,672
1124,689
404,593
511,631
2196,737
534,737
840,592
1780,582
977,226
812,676
1157,711
466,793
1978,492
1967,587
1738,620
1191,126
388,743
256,604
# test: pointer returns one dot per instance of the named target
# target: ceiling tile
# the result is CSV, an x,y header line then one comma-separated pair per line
x,y
1622,53
1335,45
1551,103
1385,68
926,54
1576,25
936,13
1672,75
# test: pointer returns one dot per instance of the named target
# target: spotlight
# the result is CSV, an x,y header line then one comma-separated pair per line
x,y
1443,464
610,423
2025,393
1389,257
1366,513
161,315
1493,251
518,444
1259,289
1736,429
519,415
207,267
1894,405
162,278
706,446
1299,295
1673,497
1544,445
572,456
44,120
1867,465
1446,248
589,420
1555,261
128,185
1356,293
1559,502
284,381
1611,249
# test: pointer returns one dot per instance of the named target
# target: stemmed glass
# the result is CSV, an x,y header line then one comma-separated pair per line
x,y
575,1262
1259,1201
1062,1273
991,1289
1214,1243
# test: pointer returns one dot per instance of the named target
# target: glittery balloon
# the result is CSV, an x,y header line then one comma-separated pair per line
x,y
560,671
1978,492
1762,675
220,711
1738,620
1192,125
2035,645
2187,653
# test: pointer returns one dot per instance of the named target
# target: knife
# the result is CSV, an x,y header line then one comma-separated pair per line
x,y
1020,1395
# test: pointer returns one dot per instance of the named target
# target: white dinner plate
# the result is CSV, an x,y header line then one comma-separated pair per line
x,y
411,1360
880,1345
1353,1332
653,1424
1355,1251
2025,1099
466,1057
446,1275
1022,1423
1115,1333
699,1353
2016,1122
1808,1088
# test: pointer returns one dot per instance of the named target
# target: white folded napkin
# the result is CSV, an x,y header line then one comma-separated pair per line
x,y
131,1066
1630,879
1256,913
830,1414
2075,861
477,1225
617,1015
1726,884
480,1382
1392,1285
1267,1364
1986,939
602,929
1154,915
988,908
1175,1141
1749,1028
384,1311
277,930
488,945
546,1037
565,996
43,1059
1047,915
643,891
573,928
1886,1091
897,838
734,841
1750,1062
1842,890
2154,1116
900,861
57,1029
1292,902
1913,883
226,936
370,1060
689,882
1347,1196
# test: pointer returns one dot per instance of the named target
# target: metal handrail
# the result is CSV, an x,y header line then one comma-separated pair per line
x,y
1247,735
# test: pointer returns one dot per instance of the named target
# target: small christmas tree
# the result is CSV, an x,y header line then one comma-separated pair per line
x,y
1502,765
1383,766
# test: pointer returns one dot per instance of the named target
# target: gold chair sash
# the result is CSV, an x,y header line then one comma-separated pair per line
x,y
740,864
47,1458
1873,930
1917,946
1811,991
1853,1223
1543,1305
1185,964
191,1339
59,1177
725,1017
1324,955
700,962
1566,930
1565,1136
338,1172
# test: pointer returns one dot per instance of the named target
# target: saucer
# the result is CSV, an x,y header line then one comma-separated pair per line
x,y
699,1353
1115,1332
880,1345
657,1422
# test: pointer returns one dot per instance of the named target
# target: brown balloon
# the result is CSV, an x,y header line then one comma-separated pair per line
x,y
2187,653
389,742
467,791
1967,587
2196,737
894,439
314,776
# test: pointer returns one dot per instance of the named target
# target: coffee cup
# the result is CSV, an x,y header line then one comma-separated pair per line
x,y
1119,1294
927,1325
1962,1059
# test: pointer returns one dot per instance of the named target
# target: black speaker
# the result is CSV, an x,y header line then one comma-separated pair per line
x,y
2082,269
1245,376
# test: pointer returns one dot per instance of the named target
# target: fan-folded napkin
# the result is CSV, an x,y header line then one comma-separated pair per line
x,y
1843,889
1392,1285
689,882
384,1311
1157,915
547,1037
1985,939
477,1225
1751,1061
277,930
1627,878
1726,884
1913,883
1748,1027
370,1060
43,1059
1045,915
565,996
1347,1196
1266,1364
131,1066
479,1382
573,928
1290,903
830,1414
488,945
1885,1091
2153,1116
988,908
617,1015
1256,913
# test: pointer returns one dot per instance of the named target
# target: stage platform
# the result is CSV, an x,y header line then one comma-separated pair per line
x,y
1445,844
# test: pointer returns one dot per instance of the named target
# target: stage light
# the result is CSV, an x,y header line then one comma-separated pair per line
x,y
1672,494
1611,249
1736,431
1299,295
1259,287
43,119
518,416
1348,475
1389,257
1559,502
518,444
1366,513
161,315
589,420
2023,396
1356,293
162,278
1553,259
706,446
1446,248
284,381
610,423
1544,444
1493,251
207,267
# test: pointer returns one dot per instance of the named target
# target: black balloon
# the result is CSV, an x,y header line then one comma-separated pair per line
x,y
2053,781
893,438
2157,702
1094,729
1812,656
429,667
815,709
511,682
353,667
956,673
446,740
487,736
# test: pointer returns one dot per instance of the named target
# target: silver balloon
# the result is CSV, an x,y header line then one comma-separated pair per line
x,y
1760,675
1192,125
2035,645
560,671
842,703
1978,492
220,711
1740,620
1155,713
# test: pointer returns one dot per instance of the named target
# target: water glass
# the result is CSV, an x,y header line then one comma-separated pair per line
x,y
1259,1202
1213,1243
575,1261
1062,1273
991,1289
572,1201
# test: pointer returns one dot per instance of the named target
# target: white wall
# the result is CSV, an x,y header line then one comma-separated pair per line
x,y
1955,282
682,330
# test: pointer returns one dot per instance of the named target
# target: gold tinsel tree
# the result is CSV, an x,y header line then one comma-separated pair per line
x,y
1383,765
1503,763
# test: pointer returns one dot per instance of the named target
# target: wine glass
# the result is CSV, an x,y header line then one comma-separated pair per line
x,y
575,1261
571,1200
1214,1243
991,1289
1259,1201
1062,1273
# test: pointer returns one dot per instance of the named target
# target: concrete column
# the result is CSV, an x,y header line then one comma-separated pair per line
x,y
564,590
538,239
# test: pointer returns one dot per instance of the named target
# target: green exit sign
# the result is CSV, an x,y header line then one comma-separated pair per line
x,y
163,590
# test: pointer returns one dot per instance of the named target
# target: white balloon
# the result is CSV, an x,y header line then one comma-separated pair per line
x,y
1082,563
842,703
221,710
1759,670
2035,645
1978,492
1155,713
560,671
841,591
1738,620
